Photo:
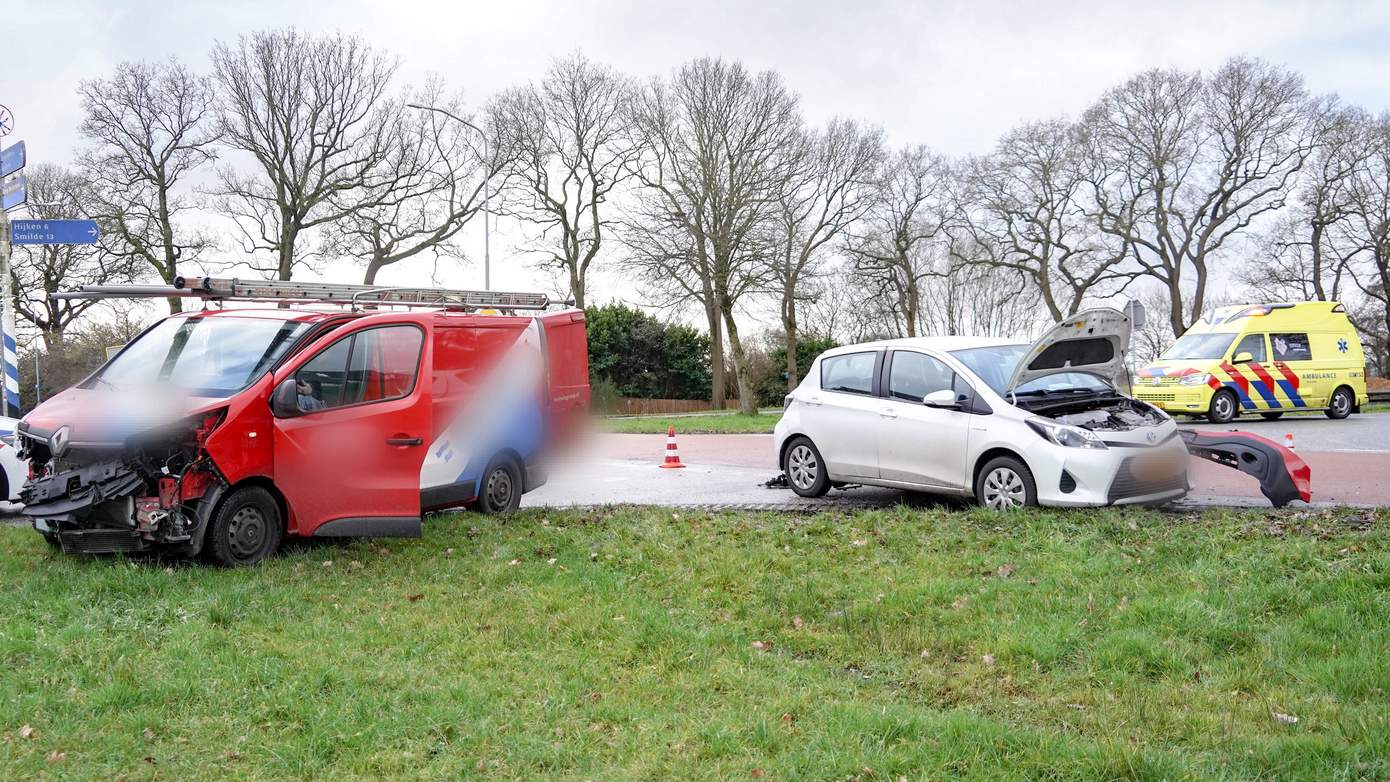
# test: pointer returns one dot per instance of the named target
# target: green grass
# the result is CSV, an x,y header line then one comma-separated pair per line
x,y
925,644
717,423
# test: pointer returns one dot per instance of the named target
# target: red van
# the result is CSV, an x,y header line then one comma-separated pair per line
x,y
223,430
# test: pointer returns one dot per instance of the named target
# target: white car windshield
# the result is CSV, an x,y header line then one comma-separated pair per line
x,y
203,356
996,365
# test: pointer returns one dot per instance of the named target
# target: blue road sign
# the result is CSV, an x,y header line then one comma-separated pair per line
x,y
13,192
12,159
54,231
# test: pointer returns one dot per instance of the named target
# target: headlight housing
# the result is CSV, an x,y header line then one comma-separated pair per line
x,y
1194,380
1066,436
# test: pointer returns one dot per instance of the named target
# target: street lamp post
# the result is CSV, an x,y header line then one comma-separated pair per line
x,y
487,184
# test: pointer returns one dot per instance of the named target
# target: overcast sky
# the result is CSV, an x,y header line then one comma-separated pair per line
x,y
951,75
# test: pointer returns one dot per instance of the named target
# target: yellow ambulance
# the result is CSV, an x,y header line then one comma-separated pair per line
x,y
1268,359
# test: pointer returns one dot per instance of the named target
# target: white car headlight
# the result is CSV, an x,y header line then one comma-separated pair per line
x,y
1194,380
1066,436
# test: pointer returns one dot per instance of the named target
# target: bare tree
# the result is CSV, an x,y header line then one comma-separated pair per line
x,y
899,245
149,126
571,135
714,162
424,189
1027,212
832,187
309,113
973,297
36,271
1368,230
1306,255
1183,164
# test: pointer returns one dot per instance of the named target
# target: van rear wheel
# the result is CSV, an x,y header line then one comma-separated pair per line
x,y
1223,407
501,488
1341,404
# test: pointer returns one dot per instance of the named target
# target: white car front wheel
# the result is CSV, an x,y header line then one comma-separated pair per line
x,y
1005,483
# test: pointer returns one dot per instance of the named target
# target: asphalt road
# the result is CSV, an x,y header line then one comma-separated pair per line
x,y
727,470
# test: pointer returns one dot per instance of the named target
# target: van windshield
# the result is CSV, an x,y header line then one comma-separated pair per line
x,y
201,355
1199,346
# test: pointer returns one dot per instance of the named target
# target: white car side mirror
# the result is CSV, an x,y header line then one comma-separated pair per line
x,y
943,398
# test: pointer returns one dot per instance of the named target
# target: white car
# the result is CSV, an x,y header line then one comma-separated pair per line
x,y
1009,424
14,471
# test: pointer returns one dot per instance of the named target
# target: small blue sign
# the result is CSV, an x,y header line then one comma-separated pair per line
x,y
13,192
54,231
11,159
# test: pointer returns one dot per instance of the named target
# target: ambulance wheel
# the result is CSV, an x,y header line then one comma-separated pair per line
x,y
1271,416
501,488
1223,407
245,529
805,469
1341,404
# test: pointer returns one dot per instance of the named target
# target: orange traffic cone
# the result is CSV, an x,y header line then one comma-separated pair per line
x,y
1288,440
673,457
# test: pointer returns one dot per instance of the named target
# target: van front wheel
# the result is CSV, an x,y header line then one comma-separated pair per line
x,y
1341,404
1223,407
245,529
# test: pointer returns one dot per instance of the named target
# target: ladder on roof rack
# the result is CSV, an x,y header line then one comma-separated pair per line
x,y
287,292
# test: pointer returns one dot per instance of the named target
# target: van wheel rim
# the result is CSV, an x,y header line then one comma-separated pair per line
x,y
1340,403
802,467
1224,407
499,488
246,532
1004,489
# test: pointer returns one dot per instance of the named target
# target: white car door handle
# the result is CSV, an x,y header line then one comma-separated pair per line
x,y
888,412
813,400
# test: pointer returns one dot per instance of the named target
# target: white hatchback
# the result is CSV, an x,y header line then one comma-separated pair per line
x,y
1009,424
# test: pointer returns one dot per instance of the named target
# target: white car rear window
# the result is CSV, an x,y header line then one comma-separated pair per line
x,y
851,373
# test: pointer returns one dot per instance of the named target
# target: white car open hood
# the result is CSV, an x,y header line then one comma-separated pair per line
x,y
1095,341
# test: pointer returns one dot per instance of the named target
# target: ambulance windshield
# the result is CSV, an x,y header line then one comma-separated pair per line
x,y
1199,346
203,356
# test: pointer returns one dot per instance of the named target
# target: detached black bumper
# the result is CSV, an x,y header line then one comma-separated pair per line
x,y
1283,476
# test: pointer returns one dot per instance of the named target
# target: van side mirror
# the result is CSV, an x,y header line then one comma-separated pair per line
x,y
284,401
943,398
1243,357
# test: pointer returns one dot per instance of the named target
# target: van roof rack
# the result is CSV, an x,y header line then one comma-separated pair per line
x,y
291,292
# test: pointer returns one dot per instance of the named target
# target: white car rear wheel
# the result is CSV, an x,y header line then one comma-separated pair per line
x,y
805,469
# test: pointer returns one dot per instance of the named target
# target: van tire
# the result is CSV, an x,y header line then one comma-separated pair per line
x,y
246,528
1271,416
1005,483
500,490
805,468
1340,405
1224,407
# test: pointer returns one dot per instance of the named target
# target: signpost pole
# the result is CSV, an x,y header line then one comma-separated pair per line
x,y
10,405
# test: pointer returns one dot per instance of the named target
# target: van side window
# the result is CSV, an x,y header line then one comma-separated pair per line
x,y
1254,344
852,373
914,375
369,366
1291,347
383,364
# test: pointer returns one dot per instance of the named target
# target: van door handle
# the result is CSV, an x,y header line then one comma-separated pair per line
x,y
405,441
888,412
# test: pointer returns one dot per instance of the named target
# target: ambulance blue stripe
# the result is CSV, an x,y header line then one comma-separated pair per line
x,y
1292,393
1244,398
1267,393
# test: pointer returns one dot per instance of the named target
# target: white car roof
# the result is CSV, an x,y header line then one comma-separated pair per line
x,y
929,343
